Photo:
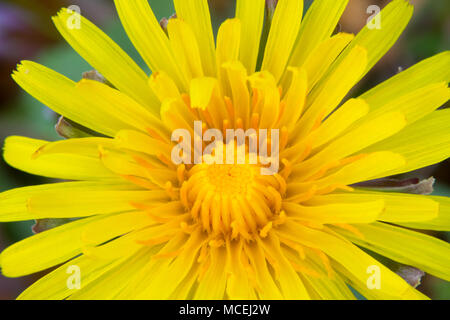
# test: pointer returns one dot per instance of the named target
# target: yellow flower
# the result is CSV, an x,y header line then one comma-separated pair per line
x,y
151,229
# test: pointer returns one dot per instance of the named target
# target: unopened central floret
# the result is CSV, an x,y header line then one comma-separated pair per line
x,y
233,200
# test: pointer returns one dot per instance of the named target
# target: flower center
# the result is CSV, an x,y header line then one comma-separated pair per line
x,y
232,200
231,179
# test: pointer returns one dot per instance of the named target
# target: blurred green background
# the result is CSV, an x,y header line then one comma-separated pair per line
x,y
26,32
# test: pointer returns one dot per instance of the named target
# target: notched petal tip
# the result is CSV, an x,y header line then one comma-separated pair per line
x,y
22,68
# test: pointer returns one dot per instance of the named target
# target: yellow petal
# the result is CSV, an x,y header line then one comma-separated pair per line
x,y
330,289
320,286
251,15
237,76
212,286
352,259
58,92
140,166
128,113
139,282
176,115
373,294
408,247
362,212
184,289
205,95
414,105
201,91
78,146
53,286
149,38
339,121
239,285
162,285
115,226
319,24
114,249
422,144
367,167
295,98
87,202
140,142
291,284
59,244
330,91
196,14
228,43
283,33
268,106
113,280
18,152
14,204
394,18
163,86
398,207
185,48
422,74
266,286
324,55
121,163
441,222
376,130
363,169
106,57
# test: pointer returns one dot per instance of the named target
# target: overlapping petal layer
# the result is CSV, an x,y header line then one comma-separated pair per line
x,y
147,228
